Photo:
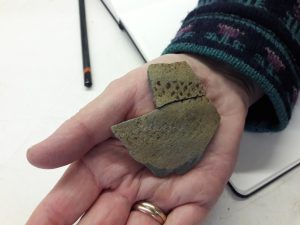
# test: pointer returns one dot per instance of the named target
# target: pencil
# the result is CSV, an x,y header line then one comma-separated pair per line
x,y
85,47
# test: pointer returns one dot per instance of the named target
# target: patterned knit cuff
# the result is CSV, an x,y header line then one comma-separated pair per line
x,y
252,50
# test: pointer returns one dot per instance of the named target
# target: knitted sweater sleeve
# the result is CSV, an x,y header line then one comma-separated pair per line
x,y
260,39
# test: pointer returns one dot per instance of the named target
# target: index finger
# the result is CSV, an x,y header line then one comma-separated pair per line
x,y
89,126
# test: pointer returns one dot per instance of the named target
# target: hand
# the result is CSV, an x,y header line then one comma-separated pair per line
x,y
103,182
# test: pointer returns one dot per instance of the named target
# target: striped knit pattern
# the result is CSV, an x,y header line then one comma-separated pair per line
x,y
258,38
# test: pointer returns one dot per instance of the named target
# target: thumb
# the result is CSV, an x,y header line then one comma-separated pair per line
x,y
88,127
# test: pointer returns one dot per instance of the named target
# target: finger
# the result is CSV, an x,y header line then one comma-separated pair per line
x,y
87,128
69,199
138,218
110,208
190,214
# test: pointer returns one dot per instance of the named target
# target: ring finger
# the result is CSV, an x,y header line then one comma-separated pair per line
x,y
138,218
110,208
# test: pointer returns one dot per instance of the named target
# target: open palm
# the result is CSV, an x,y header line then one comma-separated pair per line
x,y
103,182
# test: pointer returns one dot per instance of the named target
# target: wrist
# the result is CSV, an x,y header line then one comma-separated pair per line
x,y
248,90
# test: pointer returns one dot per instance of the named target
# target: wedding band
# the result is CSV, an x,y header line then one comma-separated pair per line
x,y
151,210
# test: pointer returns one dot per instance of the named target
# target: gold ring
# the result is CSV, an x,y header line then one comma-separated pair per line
x,y
151,210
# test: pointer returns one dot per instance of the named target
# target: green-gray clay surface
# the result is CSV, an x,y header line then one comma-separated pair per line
x,y
173,82
173,137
